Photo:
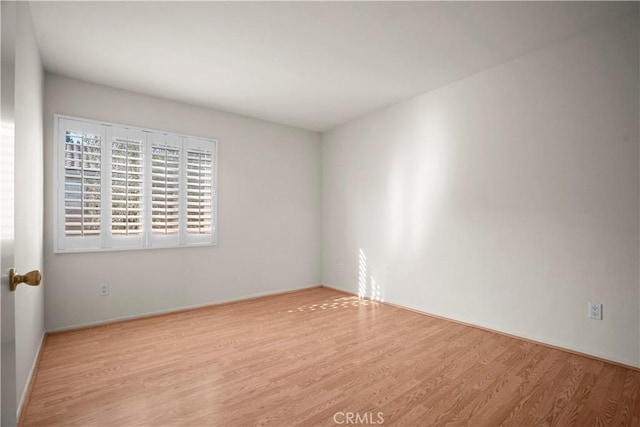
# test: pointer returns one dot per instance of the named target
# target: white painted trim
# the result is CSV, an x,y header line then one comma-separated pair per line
x,y
493,328
126,125
178,309
27,385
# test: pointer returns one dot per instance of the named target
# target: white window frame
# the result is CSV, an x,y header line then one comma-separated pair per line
x,y
107,241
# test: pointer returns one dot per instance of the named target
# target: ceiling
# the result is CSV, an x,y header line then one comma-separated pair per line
x,y
313,65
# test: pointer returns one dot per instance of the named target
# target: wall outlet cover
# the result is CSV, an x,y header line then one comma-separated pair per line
x,y
104,289
595,311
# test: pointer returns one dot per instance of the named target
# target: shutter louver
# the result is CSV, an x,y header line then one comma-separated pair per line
x,y
165,190
127,195
82,184
199,191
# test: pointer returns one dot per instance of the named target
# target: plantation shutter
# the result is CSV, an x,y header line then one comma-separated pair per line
x,y
166,165
200,191
81,192
127,187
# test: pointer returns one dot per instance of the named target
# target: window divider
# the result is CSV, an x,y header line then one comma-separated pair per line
x,y
147,190
106,187
183,192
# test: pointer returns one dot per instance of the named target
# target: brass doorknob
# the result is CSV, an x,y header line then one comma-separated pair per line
x,y
32,278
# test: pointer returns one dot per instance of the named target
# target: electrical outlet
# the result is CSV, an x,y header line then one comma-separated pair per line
x,y
595,311
104,289
341,267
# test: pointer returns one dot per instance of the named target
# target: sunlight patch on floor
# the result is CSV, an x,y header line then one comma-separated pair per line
x,y
337,303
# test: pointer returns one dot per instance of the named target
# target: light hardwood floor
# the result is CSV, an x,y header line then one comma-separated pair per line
x,y
299,358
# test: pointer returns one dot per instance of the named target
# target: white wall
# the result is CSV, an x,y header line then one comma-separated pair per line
x,y
509,199
29,301
268,205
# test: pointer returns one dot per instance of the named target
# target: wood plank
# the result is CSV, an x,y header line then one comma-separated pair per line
x,y
299,358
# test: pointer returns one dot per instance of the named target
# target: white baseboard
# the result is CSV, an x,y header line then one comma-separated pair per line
x,y
176,309
27,385
630,364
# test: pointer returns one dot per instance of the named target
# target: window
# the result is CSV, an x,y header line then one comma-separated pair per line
x,y
121,187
